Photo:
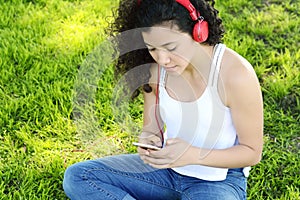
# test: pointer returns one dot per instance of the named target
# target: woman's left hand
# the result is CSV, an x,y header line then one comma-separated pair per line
x,y
176,153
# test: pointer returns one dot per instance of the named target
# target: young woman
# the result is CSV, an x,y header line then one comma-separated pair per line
x,y
202,107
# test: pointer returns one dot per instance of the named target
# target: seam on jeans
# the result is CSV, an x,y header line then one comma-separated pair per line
x,y
178,177
133,176
178,181
94,185
235,194
238,190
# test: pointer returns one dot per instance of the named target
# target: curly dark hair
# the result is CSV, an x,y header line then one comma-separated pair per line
x,y
134,14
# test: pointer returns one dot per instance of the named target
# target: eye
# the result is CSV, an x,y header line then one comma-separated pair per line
x,y
151,49
171,48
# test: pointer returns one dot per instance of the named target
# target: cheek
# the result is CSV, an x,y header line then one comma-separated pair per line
x,y
183,57
185,53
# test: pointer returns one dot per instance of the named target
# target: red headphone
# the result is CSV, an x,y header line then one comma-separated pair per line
x,y
200,30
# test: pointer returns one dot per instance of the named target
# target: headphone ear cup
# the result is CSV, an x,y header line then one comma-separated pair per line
x,y
200,31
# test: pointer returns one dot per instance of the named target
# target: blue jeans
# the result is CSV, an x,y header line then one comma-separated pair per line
x,y
127,177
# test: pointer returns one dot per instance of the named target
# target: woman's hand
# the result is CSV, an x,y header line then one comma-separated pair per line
x,y
149,138
176,153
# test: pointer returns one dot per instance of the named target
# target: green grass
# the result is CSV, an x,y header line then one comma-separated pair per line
x,y
43,43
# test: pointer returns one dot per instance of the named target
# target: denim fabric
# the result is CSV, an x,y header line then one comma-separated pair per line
x,y
127,177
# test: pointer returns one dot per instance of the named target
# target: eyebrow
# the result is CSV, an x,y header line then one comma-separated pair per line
x,y
163,45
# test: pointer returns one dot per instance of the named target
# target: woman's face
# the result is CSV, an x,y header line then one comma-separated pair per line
x,y
170,48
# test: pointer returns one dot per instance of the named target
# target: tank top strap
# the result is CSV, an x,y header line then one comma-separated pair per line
x,y
162,79
215,65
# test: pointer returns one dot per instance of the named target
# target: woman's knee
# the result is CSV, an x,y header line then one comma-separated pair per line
x,y
78,174
70,178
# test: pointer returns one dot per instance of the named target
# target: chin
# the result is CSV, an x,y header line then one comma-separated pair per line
x,y
173,73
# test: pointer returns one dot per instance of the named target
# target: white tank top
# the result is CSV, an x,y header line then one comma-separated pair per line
x,y
205,122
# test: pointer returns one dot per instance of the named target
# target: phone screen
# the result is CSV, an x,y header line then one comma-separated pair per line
x,y
146,146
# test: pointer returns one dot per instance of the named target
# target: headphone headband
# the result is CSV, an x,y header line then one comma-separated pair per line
x,y
189,6
201,29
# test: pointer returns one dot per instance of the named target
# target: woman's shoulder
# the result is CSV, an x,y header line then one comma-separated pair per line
x,y
235,67
238,75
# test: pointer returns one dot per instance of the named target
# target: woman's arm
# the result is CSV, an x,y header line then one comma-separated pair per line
x,y
243,96
152,123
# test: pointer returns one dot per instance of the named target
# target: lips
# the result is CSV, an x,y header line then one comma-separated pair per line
x,y
170,68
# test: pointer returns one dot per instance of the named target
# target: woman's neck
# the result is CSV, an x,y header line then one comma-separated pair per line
x,y
200,63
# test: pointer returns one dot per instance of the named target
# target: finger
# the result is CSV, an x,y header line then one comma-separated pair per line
x,y
150,139
159,166
142,151
155,161
172,141
157,154
157,143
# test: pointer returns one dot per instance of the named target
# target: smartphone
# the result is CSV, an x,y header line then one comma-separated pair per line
x,y
146,146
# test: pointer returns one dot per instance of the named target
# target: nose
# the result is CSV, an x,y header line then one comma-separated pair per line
x,y
163,57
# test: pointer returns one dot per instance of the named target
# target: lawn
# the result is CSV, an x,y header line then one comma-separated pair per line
x,y
45,46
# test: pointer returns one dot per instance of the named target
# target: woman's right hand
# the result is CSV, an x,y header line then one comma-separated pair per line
x,y
149,138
